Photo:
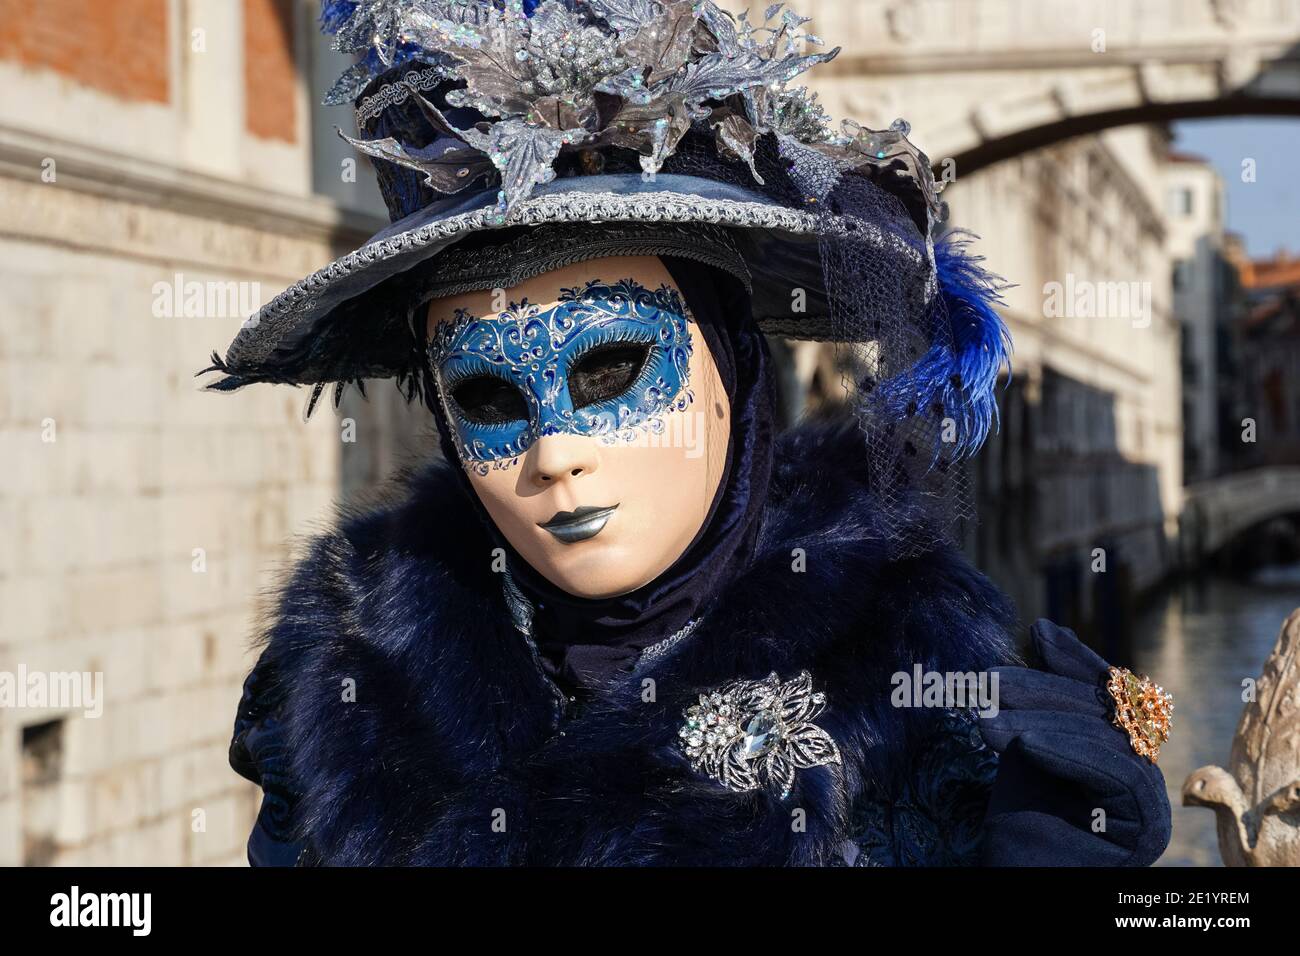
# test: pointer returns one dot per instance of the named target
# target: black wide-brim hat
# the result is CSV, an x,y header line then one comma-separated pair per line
x,y
510,137
350,319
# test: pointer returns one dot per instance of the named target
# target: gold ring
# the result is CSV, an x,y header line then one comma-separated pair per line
x,y
1142,710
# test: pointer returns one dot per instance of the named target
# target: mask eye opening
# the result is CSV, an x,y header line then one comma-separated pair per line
x,y
607,371
487,400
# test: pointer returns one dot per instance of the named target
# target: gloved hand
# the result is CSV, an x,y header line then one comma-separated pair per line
x,y
1069,790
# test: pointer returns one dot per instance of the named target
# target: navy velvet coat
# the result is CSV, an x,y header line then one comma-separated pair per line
x,y
397,716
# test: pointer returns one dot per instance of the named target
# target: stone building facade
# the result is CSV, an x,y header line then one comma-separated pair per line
x,y
1267,346
1204,299
156,184
1079,492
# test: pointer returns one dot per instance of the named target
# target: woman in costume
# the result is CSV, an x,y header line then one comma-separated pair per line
x,y
623,621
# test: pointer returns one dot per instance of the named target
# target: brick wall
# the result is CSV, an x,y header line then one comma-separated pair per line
x,y
119,47
270,72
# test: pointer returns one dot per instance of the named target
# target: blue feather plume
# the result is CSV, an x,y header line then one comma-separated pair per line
x,y
966,374
334,13
958,375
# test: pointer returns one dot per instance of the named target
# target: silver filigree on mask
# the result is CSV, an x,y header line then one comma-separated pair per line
x,y
532,350
751,735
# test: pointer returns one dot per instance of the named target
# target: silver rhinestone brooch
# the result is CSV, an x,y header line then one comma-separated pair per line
x,y
751,735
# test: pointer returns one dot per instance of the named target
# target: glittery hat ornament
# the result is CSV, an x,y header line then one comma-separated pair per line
x,y
665,127
552,77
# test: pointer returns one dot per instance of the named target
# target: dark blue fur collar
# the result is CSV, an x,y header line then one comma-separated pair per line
x,y
450,753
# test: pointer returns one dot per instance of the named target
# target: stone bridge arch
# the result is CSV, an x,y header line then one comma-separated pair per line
x,y
990,79
1216,511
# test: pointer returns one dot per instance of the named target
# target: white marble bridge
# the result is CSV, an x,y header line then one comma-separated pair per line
x,y
997,78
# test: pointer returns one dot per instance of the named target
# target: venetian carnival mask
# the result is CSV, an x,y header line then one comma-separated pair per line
x,y
589,416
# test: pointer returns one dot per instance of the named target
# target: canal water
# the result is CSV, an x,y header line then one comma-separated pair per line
x,y
1200,640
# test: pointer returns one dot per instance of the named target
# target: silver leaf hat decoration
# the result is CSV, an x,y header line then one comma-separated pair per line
x,y
752,735
564,76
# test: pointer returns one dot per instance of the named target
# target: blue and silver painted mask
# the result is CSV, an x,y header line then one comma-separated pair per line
x,y
608,360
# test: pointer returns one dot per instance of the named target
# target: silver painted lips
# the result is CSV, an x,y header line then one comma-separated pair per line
x,y
578,525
